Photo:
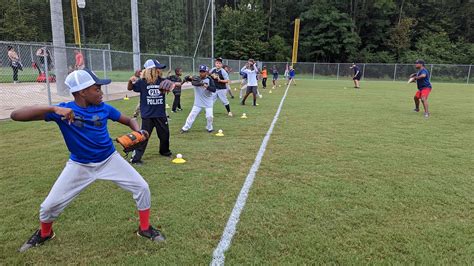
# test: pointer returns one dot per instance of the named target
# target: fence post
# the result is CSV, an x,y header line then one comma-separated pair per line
x,y
395,73
169,60
363,72
110,57
46,73
105,75
469,74
194,67
338,66
314,69
31,54
239,66
90,58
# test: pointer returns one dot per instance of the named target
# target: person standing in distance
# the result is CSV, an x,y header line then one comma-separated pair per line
x,y
152,89
221,79
264,77
250,69
422,78
79,60
275,76
357,75
14,62
83,124
176,78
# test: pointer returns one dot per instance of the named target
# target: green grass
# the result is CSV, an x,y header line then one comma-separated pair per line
x,y
348,177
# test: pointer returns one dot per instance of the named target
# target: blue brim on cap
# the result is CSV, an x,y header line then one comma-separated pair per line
x,y
97,80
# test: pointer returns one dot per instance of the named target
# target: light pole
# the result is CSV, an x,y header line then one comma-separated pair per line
x,y
82,5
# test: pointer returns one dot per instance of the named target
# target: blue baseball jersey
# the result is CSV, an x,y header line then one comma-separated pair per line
x,y
87,138
292,73
152,100
424,82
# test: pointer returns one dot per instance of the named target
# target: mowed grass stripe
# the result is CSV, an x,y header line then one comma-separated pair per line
x,y
357,177
191,202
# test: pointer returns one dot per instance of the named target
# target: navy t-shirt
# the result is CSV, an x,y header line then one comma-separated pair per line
x,y
424,82
87,138
152,100
357,71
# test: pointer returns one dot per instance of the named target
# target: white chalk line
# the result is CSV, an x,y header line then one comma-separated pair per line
x,y
218,257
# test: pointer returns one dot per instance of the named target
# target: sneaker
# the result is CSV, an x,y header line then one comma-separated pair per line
x,y
36,240
416,110
174,111
427,115
232,97
210,130
183,131
136,162
168,154
261,96
230,114
179,109
152,234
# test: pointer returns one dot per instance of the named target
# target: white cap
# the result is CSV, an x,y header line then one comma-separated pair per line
x,y
151,63
82,79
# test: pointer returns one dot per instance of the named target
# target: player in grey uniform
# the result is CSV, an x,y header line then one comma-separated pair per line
x,y
204,97
221,79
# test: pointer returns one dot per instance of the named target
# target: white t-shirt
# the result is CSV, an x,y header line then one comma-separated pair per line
x,y
251,75
203,97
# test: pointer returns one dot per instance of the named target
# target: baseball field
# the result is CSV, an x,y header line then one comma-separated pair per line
x,y
348,177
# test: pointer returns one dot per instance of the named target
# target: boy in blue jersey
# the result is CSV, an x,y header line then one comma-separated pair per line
x,y
83,124
422,78
291,75
152,88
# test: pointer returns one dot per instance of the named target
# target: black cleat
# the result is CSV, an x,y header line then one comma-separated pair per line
x,y
184,131
210,131
168,154
152,234
35,240
136,162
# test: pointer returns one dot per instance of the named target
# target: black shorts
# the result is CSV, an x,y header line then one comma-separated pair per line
x,y
358,77
252,89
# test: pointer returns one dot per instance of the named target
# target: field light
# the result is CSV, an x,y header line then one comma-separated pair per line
x,y
81,3
249,6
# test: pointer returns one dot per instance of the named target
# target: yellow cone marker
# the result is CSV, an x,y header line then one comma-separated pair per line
x,y
279,86
126,97
270,91
220,133
179,159
244,116
235,89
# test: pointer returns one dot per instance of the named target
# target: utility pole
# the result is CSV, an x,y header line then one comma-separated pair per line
x,y
59,43
135,35
212,29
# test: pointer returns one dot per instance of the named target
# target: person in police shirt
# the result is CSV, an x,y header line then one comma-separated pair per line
x,y
152,106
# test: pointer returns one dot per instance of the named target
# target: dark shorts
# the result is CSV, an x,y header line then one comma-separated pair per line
x,y
252,89
358,77
275,76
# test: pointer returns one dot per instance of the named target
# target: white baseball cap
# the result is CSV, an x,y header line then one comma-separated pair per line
x,y
151,63
82,79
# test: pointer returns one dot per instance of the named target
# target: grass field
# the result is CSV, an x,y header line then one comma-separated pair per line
x,y
349,177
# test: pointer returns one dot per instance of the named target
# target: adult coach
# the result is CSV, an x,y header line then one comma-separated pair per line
x,y
221,79
357,75
422,78
14,62
83,124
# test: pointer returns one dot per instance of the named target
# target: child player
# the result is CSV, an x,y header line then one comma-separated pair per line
x,y
83,124
203,98
357,75
176,78
228,69
152,88
264,77
221,79
423,83
250,69
291,75
275,76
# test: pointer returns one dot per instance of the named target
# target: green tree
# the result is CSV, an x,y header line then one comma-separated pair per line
x,y
400,36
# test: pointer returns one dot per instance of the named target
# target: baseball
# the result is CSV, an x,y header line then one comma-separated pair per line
x,y
179,156
220,131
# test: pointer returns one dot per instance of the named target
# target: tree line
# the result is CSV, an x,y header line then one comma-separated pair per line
x,y
385,31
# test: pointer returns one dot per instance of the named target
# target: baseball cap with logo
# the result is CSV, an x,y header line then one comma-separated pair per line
x,y
151,63
203,68
83,79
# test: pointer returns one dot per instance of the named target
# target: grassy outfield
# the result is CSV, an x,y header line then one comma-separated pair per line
x,y
348,177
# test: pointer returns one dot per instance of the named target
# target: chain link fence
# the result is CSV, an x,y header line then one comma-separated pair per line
x,y
27,71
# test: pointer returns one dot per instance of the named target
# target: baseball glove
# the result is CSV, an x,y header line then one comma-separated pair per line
x,y
214,76
132,140
167,85
196,81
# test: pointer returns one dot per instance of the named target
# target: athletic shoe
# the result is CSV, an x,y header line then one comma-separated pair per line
x,y
242,103
230,114
168,154
261,96
136,162
210,130
183,131
36,240
427,115
174,111
152,234
232,97
416,110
